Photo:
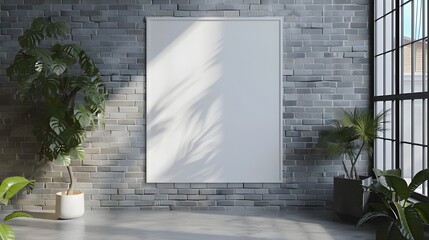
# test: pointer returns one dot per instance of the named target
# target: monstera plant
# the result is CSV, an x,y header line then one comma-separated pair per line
x,y
64,88
8,188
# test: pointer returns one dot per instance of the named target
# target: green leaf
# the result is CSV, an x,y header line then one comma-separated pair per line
x,y
404,227
379,188
23,64
423,210
6,232
58,67
48,87
56,125
30,38
16,215
63,159
11,186
78,152
83,115
360,122
41,54
393,172
40,24
87,64
73,136
418,179
399,186
414,222
60,29
371,215
69,54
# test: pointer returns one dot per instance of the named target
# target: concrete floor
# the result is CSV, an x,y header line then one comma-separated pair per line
x,y
147,225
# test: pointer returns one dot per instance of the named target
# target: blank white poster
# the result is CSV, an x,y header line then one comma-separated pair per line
x,y
214,100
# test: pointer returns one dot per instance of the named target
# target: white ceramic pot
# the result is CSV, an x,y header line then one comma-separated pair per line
x,y
69,206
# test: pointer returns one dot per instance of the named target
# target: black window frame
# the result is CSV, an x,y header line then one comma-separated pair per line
x,y
396,98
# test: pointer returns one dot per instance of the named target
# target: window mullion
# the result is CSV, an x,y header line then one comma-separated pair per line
x,y
397,81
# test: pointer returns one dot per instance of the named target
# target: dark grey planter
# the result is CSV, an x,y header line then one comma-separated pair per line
x,y
350,198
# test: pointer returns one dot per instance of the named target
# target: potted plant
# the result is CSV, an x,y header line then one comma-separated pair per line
x,y
349,138
8,188
67,97
402,218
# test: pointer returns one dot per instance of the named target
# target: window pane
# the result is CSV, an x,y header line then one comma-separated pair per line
x,y
418,163
388,30
418,159
379,39
388,73
379,154
406,68
406,121
424,166
388,146
418,19
379,107
379,9
379,75
406,13
424,65
393,66
425,18
387,6
418,50
425,121
417,117
407,159
388,120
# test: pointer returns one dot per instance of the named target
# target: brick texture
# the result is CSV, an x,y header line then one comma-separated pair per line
x,y
325,69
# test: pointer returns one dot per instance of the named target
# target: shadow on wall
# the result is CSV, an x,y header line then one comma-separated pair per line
x,y
18,147
17,144
194,96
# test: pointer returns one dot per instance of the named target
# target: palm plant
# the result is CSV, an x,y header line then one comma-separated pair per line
x,y
395,206
64,88
350,137
8,188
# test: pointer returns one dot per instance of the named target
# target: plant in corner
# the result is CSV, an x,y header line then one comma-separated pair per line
x,y
403,219
64,88
8,188
349,138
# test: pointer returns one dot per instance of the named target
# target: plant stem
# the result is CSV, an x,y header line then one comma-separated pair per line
x,y
345,169
353,168
72,180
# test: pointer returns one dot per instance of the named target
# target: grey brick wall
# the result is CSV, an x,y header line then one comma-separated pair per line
x,y
325,69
